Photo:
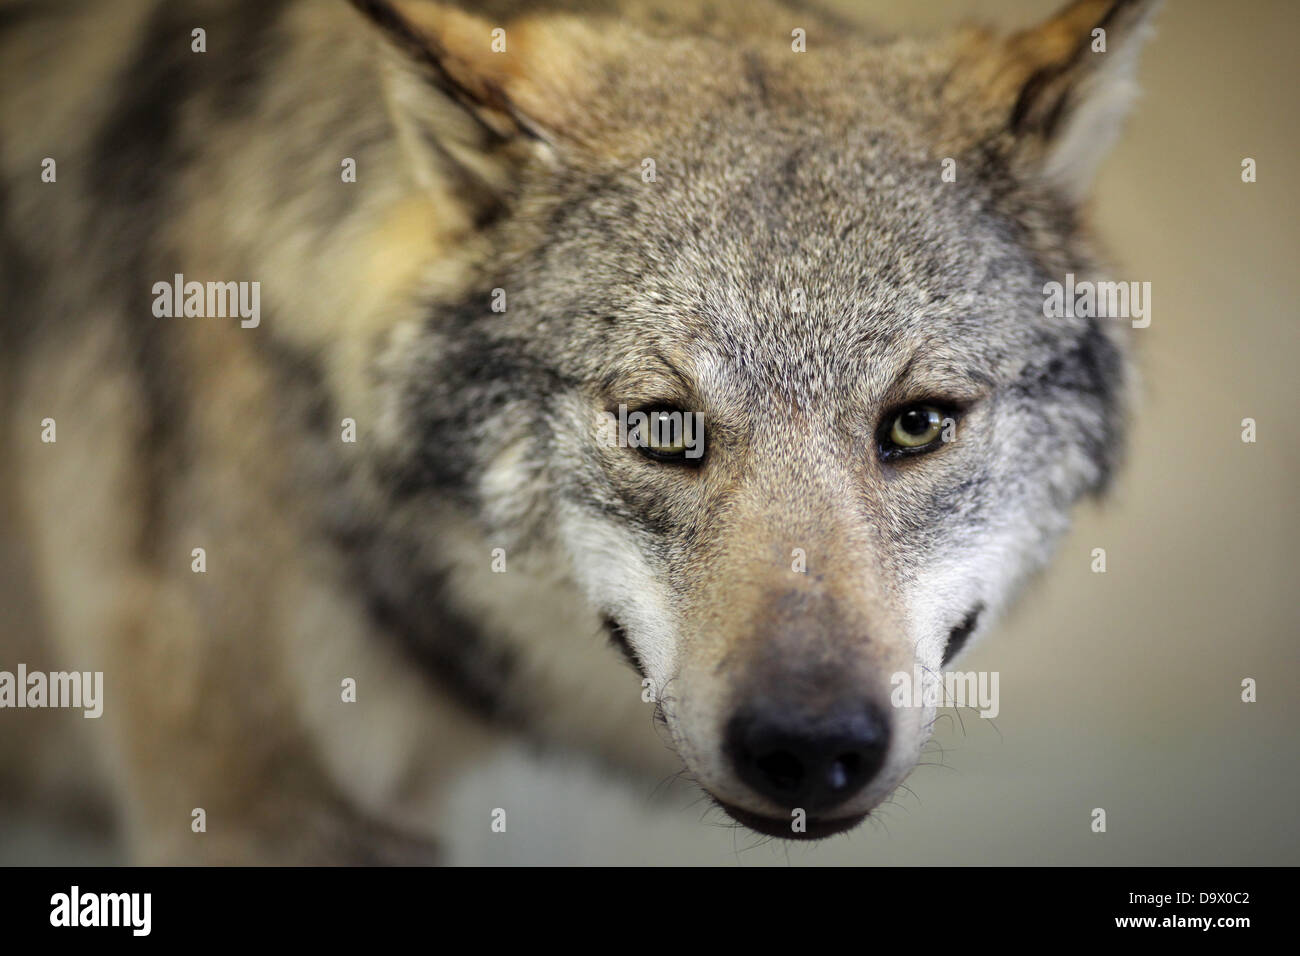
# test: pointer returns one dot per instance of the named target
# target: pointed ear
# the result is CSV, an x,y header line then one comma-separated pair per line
x,y
1067,86
469,94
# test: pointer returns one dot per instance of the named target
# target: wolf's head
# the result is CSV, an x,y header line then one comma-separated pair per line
x,y
836,259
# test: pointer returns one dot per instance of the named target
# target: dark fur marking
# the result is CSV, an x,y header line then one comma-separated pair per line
x,y
408,604
1029,96
754,73
405,600
16,14
243,49
618,638
303,403
1042,79
1092,367
429,54
19,274
960,634
141,134
477,373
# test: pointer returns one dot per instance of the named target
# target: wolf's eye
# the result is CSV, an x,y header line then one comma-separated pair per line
x,y
914,427
667,434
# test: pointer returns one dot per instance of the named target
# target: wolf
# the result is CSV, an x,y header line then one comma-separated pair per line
x,y
328,560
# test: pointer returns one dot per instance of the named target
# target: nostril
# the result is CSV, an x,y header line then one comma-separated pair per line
x,y
782,769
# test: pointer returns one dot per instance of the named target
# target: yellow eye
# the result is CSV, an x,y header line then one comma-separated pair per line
x,y
668,434
916,426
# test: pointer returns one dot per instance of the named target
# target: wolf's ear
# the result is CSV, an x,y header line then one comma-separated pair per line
x,y
1067,85
469,92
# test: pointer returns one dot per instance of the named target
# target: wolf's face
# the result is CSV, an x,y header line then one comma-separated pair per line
x,y
891,431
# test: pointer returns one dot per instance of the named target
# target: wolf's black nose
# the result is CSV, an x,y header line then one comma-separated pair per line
x,y
815,763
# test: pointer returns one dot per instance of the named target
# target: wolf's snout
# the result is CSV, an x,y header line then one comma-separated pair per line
x,y
813,762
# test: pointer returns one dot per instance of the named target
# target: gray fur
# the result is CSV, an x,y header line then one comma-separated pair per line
x,y
779,175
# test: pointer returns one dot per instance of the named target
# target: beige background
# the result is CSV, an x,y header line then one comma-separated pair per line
x,y
1119,690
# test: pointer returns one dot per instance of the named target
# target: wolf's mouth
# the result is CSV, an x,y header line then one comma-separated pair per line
x,y
782,829
618,638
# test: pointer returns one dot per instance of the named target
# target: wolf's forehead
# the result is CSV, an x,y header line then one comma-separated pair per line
x,y
792,285
798,224
798,259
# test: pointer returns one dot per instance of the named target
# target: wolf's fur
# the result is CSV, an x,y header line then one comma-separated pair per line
x,y
776,171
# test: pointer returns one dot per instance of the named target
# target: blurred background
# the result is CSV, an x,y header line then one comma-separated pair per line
x,y
1119,690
